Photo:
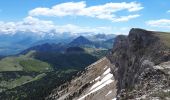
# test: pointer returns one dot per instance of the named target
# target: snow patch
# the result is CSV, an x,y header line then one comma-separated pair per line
x,y
105,67
102,85
107,79
158,67
108,93
91,81
96,89
114,99
97,78
103,81
107,71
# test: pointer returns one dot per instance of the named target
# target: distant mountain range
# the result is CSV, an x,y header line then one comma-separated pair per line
x,y
81,41
11,44
47,47
84,42
101,37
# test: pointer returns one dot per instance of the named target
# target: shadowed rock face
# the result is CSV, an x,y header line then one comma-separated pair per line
x,y
134,57
141,39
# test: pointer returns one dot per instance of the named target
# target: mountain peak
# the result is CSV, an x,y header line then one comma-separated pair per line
x,y
81,40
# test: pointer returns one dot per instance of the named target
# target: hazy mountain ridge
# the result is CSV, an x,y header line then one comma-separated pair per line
x,y
14,43
47,47
84,42
79,41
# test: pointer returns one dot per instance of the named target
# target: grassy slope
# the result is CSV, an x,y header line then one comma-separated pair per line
x,y
23,63
34,65
10,64
99,53
165,37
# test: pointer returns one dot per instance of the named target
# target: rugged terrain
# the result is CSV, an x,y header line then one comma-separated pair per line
x,y
136,58
11,44
137,68
95,83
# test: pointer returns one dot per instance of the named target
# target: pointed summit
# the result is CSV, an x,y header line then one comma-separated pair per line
x,y
81,40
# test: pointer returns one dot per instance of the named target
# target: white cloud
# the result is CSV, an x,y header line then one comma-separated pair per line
x,y
28,24
42,27
106,11
168,11
126,18
77,29
161,23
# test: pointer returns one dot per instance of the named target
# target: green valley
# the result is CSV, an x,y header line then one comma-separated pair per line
x,y
24,75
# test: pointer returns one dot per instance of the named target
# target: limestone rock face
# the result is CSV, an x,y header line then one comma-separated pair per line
x,y
134,57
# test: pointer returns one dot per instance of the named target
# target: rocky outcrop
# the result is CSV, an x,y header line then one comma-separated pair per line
x,y
95,83
134,57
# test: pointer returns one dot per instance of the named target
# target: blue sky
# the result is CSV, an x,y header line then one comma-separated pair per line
x,y
75,16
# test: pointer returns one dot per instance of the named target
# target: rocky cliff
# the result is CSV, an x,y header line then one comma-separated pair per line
x,y
136,59
137,68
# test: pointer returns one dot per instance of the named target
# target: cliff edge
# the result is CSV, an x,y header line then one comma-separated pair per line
x,y
142,65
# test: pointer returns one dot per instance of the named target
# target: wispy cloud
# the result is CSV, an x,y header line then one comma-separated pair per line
x,y
168,11
41,27
28,24
106,11
162,23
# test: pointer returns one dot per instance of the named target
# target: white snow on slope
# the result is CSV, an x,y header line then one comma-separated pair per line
x,y
102,85
97,78
107,71
107,79
108,93
105,67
